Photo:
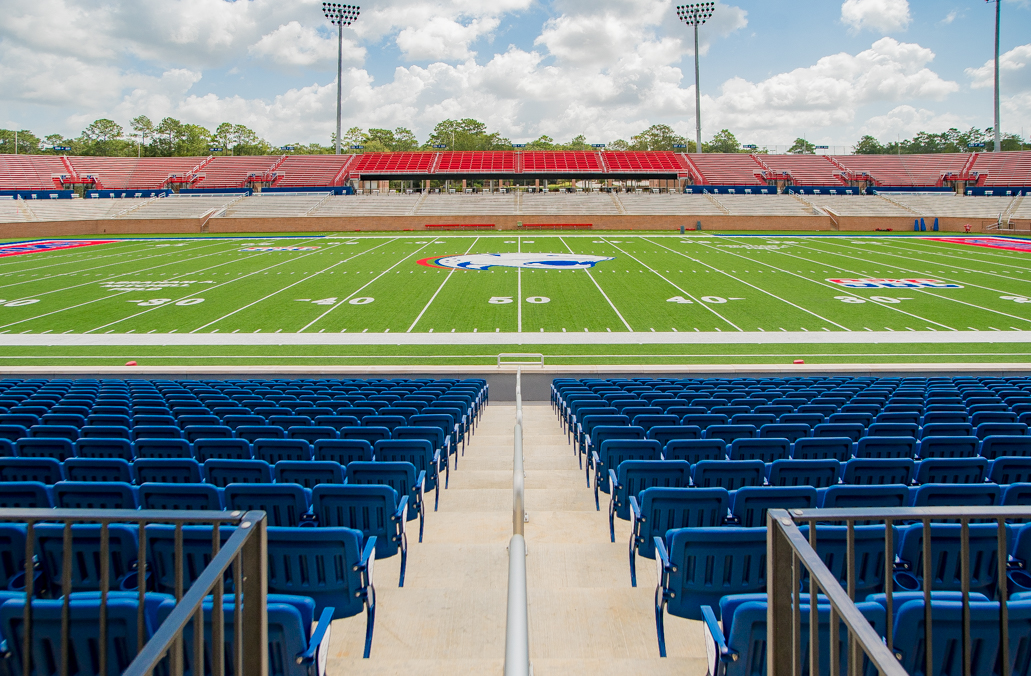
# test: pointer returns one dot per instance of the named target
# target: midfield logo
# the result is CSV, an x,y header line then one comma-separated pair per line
x,y
871,283
534,261
22,248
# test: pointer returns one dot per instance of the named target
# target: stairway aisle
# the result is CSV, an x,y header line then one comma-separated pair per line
x,y
585,618
449,619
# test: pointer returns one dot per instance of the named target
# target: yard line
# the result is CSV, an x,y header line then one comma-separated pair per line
x,y
300,281
772,295
205,290
604,295
355,293
439,289
959,267
63,274
519,289
695,300
935,295
844,291
72,307
70,256
973,250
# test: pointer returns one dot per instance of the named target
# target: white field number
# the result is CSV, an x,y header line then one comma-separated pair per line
x,y
155,302
361,301
538,300
500,300
712,300
1016,299
19,303
855,300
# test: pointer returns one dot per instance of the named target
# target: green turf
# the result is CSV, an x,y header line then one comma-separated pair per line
x,y
735,283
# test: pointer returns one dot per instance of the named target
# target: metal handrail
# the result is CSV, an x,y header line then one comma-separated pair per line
x,y
787,547
245,551
517,629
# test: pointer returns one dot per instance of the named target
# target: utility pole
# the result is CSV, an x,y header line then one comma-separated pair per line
x,y
696,14
998,116
340,16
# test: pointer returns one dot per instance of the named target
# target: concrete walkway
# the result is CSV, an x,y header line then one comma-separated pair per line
x,y
449,619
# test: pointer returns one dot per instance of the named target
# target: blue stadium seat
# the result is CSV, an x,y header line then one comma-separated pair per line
x,y
739,648
420,453
274,450
196,548
822,448
375,510
999,416
815,473
990,429
105,432
956,495
238,420
169,431
370,434
729,433
93,495
704,421
222,449
853,431
387,421
886,447
103,448
695,450
648,421
254,432
309,473
179,496
97,420
298,645
221,473
337,422
1007,470
193,433
312,433
932,430
615,451
11,434
936,416
346,559
946,560
749,505
162,448
97,469
401,476
952,471
767,450
286,504
166,470
666,433
603,433
634,476
343,451
868,543
791,432
808,419
44,470
57,448
25,495
658,509
585,426
947,447
878,471
993,447
728,474
123,551
757,420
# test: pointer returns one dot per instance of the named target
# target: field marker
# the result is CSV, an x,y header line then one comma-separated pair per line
x,y
601,291
439,288
519,289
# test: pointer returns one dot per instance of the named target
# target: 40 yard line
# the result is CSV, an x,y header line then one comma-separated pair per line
x,y
439,289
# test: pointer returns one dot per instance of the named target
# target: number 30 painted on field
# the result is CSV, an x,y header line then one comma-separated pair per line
x,y
20,303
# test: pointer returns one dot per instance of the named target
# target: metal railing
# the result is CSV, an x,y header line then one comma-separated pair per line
x,y
790,553
245,551
517,629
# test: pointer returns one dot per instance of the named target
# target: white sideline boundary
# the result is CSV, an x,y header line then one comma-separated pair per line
x,y
597,338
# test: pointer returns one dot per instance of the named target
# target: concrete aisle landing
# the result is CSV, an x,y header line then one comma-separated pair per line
x,y
449,619
585,618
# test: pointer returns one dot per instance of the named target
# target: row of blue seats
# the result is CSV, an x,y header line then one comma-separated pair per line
x,y
272,449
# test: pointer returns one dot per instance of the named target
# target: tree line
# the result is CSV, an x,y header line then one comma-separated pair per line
x,y
173,138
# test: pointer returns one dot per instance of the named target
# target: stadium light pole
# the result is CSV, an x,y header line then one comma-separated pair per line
x,y
696,14
340,16
998,121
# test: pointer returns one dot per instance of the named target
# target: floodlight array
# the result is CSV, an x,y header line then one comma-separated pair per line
x,y
696,13
341,15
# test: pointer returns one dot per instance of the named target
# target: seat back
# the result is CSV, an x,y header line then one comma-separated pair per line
x,y
434,435
221,473
952,471
123,551
180,496
947,447
666,433
822,448
24,495
90,495
791,432
370,434
285,504
728,474
166,470
663,509
886,447
311,434
366,508
739,554
946,564
57,448
956,495
815,473
634,476
848,496
104,448
1008,470
990,429
730,433
44,470
196,552
875,471
868,542
767,450
274,450
97,469
162,448
254,432
750,504
852,431
321,568
398,475
695,450
993,447
343,451
308,473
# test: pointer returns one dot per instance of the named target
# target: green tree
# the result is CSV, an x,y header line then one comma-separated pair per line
x,y
167,136
545,142
658,137
142,129
467,134
723,142
195,141
578,142
223,138
28,143
868,145
102,137
619,145
802,147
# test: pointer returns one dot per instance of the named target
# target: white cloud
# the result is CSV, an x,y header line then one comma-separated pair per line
x,y
949,18
295,45
443,39
1014,71
905,121
882,16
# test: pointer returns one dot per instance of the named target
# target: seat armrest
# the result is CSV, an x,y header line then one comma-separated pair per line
x,y
661,555
715,643
368,556
420,480
402,510
635,509
595,459
318,645
613,483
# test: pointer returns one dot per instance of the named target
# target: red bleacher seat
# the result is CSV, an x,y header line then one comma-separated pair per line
x,y
29,172
542,162
301,171
477,163
805,169
393,163
636,162
1009,168
234,172
905,170
727,169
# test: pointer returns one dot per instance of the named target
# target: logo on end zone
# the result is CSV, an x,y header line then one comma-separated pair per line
x,y
874,283
536,261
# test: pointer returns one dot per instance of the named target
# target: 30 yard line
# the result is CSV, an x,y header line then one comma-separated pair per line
x,y
355,293
205,290
439,289
695,300
604,295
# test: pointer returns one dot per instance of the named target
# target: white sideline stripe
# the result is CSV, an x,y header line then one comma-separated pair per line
x,y
439,288
972,250
848,292
205,290
926,292
682,291
771,295
301,281
555,338
604,295
319,318
110,277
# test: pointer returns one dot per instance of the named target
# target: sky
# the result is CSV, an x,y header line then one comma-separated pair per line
x,y
827,70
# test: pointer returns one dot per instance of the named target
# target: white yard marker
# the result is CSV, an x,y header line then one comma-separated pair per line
x,y
439,289
601,291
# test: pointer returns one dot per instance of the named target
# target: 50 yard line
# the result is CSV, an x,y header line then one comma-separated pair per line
x,y
439,288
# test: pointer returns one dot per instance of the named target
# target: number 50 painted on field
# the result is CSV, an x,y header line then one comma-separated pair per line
x,y
505,300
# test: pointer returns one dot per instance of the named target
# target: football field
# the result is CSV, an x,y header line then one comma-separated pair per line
x,y
598,297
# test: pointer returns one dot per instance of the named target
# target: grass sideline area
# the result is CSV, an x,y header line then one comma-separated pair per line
x,y
623,283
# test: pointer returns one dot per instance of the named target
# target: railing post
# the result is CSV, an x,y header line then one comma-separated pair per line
x,y
254,555
778,619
